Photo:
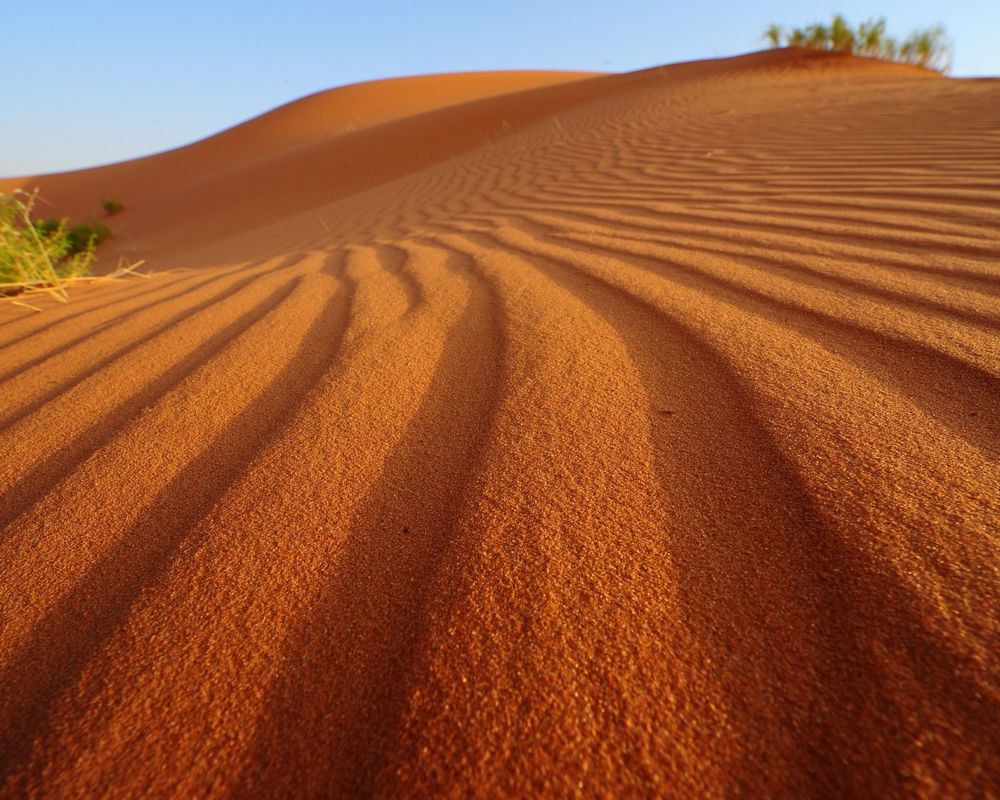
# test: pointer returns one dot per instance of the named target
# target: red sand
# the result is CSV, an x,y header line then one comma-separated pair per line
x,y
522,434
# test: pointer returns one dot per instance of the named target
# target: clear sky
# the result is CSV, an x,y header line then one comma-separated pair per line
x,y
93,81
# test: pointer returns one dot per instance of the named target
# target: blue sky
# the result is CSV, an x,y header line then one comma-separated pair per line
x,y
105,80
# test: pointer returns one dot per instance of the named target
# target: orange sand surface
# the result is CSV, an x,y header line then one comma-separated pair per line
x,y
522,434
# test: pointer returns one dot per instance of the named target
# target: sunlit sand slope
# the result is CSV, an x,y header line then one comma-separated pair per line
x,y
634,436
292,158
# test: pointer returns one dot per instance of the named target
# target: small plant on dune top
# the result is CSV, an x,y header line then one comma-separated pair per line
x,y
871,38
773,34
924,48
45,255
111,205
817,36
841,36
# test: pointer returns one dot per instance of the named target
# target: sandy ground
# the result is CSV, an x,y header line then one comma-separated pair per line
x,y
522,435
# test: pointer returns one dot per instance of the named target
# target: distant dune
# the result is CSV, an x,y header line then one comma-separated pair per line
x,y
522,434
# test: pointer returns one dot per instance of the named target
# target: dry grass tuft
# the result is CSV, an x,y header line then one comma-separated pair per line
x,y
46,257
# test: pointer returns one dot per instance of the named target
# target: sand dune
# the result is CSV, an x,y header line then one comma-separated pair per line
x,y
557,435
290,159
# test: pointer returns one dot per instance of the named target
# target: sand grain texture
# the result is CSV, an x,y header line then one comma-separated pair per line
x,y
522,434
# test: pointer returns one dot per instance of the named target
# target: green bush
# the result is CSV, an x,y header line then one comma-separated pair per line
x,y
43,256
87,235
111,205
925,48
45,253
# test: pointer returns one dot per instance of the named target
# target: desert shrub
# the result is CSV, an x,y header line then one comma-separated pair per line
x,y
43,253
925,48
44,256
78,238
774,35
111,205
47,227
87,235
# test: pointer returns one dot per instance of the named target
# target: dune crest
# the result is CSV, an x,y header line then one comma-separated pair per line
x,y
629,435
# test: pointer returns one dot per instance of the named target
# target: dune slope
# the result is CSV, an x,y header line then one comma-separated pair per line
x,y
292,158
632,436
